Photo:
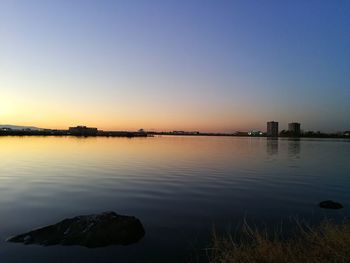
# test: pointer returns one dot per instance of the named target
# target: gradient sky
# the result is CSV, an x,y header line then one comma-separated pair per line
x,y
175,64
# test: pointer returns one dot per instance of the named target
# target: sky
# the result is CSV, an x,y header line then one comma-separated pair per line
x,y
204,65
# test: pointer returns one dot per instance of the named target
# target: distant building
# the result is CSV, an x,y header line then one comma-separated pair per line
x,y
178,132
294,128
185,132
240,133
83,131
255,133
5,129
272,129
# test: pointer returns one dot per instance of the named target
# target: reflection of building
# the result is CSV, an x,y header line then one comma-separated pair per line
x,y
272,129
272,146
83,131
294,146
294,128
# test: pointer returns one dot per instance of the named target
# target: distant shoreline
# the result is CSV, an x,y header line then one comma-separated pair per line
x,y
334,136
66,133
152,134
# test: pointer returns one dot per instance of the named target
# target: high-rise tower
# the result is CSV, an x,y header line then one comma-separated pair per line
x,y
272,129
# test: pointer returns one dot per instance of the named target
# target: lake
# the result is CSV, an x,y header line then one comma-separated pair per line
x,y
179,187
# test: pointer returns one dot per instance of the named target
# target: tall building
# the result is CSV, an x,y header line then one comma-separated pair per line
x,y
272,129
294,128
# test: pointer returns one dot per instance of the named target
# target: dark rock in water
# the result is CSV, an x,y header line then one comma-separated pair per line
x,y
88,230
329,204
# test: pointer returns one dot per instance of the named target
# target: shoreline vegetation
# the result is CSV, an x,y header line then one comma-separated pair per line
x,y
327,242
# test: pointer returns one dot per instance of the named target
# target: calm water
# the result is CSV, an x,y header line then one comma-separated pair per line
x,y
179,187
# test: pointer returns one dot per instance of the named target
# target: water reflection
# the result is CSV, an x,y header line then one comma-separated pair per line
x,y
272,146
294,147
179,187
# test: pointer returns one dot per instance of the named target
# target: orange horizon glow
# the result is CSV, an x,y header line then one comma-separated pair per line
x,y
51,114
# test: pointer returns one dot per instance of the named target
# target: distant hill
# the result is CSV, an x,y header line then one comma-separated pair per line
x,y
16,127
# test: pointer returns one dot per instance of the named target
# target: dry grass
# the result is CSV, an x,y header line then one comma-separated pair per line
x,y
328,242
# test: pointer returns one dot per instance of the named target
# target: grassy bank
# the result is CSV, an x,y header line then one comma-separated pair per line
x,y
328,242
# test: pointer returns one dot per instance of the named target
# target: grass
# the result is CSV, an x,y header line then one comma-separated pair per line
x,y
329,242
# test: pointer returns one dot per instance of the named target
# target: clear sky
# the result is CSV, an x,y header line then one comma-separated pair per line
x,y
175,64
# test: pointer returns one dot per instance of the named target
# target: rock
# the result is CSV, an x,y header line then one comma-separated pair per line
x,y
91,231
329,204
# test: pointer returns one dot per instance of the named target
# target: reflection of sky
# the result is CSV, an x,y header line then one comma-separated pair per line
x,y
179,187
207,65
